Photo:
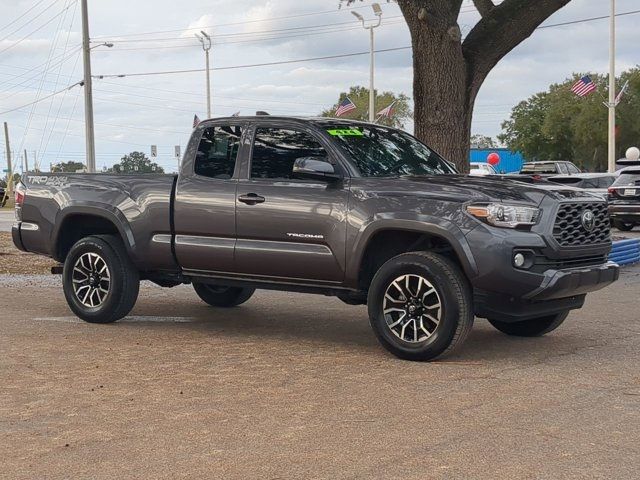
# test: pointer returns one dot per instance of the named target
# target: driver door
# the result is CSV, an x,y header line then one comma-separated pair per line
x,y
288,227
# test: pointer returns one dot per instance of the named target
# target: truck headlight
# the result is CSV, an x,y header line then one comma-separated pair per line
x,y
504,215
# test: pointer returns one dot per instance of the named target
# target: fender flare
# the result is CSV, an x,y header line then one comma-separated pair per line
x,y
439,227
96,209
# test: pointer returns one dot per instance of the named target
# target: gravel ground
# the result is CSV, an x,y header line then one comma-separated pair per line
x,y
13,260
296,386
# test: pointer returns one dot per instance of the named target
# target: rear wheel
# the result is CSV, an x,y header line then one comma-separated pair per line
x,y
221,296
535,327
420,306
99,280
623,226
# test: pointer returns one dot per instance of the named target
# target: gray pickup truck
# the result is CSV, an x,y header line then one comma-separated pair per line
x,y
362,212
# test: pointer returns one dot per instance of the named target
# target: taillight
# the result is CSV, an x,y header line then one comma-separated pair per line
x,y
611,190
20,194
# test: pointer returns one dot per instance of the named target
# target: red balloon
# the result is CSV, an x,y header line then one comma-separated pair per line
x,y
493,158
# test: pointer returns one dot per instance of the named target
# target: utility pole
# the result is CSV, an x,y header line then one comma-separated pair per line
x,y
90,145
372,93
612,89
26,161
205,40
9,169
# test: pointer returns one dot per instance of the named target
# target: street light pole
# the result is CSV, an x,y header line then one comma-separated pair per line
x,y
205,40
612,89
378,12
90,144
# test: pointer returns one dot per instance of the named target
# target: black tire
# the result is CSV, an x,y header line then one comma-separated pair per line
x,y
623,226
535,327
221,296
453,295
124,282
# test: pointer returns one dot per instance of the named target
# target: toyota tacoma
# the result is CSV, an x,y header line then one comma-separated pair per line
x,y
359,211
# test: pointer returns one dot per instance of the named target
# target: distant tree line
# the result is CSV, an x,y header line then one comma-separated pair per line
x,y
558,125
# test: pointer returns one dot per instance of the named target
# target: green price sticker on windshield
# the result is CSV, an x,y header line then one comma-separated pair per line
x,y
345,132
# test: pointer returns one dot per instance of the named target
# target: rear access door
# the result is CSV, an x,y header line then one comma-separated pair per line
x,y
205,202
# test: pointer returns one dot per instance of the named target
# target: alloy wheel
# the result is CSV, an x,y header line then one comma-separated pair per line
x,y
91,280
412,308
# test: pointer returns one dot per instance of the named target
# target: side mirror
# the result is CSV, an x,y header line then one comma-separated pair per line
x,y
314,168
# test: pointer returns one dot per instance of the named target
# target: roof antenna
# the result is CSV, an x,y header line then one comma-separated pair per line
x,y
260,112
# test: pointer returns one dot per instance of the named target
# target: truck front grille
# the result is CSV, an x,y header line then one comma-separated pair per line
x,y
569,230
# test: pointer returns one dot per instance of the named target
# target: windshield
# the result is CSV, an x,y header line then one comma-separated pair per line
x,y
385,152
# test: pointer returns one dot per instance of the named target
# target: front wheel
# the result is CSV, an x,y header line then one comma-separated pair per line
x,y
420,306
99,280
221,296
535,327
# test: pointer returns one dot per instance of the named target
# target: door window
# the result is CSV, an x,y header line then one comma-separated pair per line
x,y
562,168
276,149
217,152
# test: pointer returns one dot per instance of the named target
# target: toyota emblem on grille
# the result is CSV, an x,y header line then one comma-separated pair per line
x,y
588,220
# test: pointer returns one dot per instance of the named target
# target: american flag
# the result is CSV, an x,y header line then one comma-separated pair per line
x,y
345,106
584,86
386,112
196,121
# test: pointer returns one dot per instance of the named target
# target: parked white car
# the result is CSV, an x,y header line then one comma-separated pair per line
x,y
482,169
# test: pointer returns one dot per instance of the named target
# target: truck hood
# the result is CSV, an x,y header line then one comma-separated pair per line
x,y
463,188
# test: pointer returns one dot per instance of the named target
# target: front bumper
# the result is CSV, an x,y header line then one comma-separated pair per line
x,y
559,283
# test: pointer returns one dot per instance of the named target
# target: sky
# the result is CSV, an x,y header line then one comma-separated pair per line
x,y
40,55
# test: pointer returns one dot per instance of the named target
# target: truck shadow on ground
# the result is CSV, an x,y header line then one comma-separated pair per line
x,y
291,324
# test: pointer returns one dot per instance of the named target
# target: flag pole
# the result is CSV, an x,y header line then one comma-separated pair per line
x,y
612,89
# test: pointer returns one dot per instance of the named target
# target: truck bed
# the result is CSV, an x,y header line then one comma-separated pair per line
x,y
139,206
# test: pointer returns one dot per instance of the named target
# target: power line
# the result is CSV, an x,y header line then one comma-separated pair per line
x,y
306,28
587,20
270,19
21,16
41,99
37,29
257,39
266,64
311,59
30,21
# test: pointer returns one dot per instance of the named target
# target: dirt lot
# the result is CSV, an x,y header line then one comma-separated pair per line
x,y
295,386
13,260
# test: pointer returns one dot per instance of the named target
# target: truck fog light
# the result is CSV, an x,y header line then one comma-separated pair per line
x,y
518,260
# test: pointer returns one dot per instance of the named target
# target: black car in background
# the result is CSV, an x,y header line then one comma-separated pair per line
x,y
624,199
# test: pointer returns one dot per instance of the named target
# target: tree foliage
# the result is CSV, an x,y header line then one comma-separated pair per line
x,y
360,96
68,167
558,125
482,141
136,162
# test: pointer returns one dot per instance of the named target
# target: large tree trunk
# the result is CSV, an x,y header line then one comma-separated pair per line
x,y
448,72
442,107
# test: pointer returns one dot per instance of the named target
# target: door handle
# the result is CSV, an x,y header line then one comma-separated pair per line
x,y
251,198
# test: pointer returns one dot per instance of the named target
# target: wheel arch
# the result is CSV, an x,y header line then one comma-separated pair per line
x,y
78,222
385,241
